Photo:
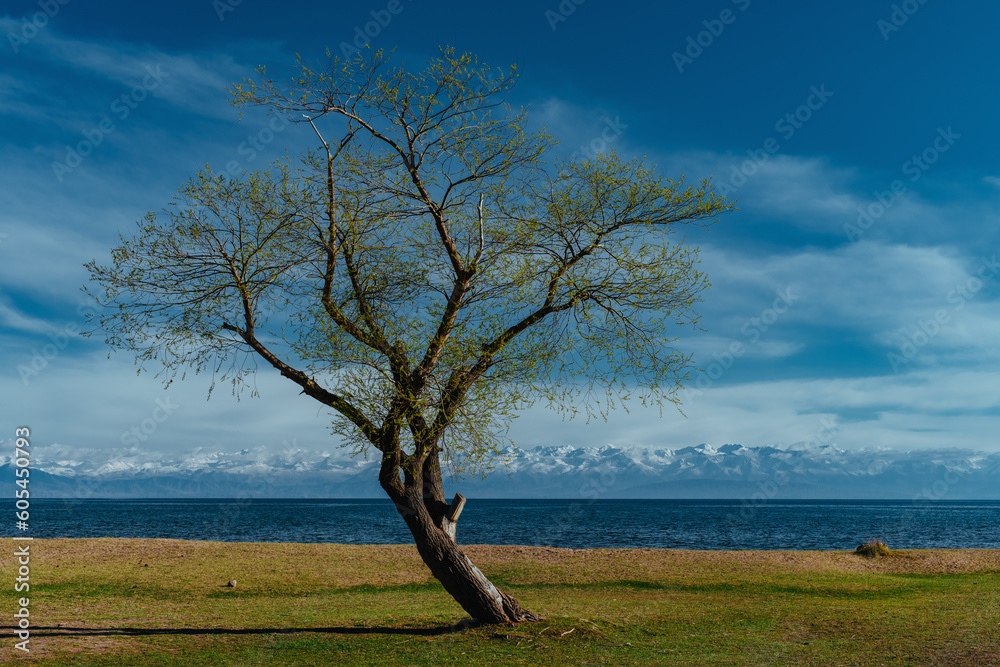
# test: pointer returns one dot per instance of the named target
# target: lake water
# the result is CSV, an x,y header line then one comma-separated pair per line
x,y
662,524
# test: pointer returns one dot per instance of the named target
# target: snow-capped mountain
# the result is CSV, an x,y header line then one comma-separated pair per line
x,y
730,471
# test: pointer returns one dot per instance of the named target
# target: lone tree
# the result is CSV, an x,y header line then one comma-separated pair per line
x,y
424,274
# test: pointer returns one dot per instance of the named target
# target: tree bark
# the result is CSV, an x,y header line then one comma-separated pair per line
x,y
483,601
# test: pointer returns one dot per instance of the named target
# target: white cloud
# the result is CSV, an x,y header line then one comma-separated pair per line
x,y
865,285
195,82
703,347
12,318
814,196
913,411
94,402
582,132
46,259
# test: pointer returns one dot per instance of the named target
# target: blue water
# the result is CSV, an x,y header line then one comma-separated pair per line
x,y
663,524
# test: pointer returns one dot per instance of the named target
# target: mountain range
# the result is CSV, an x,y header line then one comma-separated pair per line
x,y
698,472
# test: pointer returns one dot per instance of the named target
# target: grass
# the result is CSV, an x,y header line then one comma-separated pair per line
x,y
166,602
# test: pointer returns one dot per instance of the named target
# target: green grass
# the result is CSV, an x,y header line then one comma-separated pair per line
x,y
164,602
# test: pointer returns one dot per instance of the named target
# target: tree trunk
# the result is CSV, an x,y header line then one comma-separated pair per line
x,y
463,580
420,501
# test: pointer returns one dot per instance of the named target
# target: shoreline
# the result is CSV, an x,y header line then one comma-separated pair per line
x,y
900,551
404,557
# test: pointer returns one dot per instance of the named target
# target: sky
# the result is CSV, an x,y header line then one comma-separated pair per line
x,y
855,295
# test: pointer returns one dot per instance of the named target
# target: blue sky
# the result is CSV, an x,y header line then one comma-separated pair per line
x,y
855,293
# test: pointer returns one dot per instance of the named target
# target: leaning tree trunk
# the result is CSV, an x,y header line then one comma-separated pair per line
x,y
432,523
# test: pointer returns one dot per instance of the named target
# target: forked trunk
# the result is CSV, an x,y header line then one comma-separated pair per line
x,y
449,564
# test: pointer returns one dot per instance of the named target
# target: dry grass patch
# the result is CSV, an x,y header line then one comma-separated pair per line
x,y
165,602
549,565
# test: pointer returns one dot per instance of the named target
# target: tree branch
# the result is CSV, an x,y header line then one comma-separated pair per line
x,y
309,386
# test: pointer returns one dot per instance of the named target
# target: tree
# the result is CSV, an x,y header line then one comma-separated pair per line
x,y
425,275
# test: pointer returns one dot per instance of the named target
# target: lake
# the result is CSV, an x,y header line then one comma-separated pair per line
x,y
660,524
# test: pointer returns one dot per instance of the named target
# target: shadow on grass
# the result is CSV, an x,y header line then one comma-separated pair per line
x,y
65,631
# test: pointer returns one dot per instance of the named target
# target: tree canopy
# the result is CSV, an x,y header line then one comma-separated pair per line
x,y
425,274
